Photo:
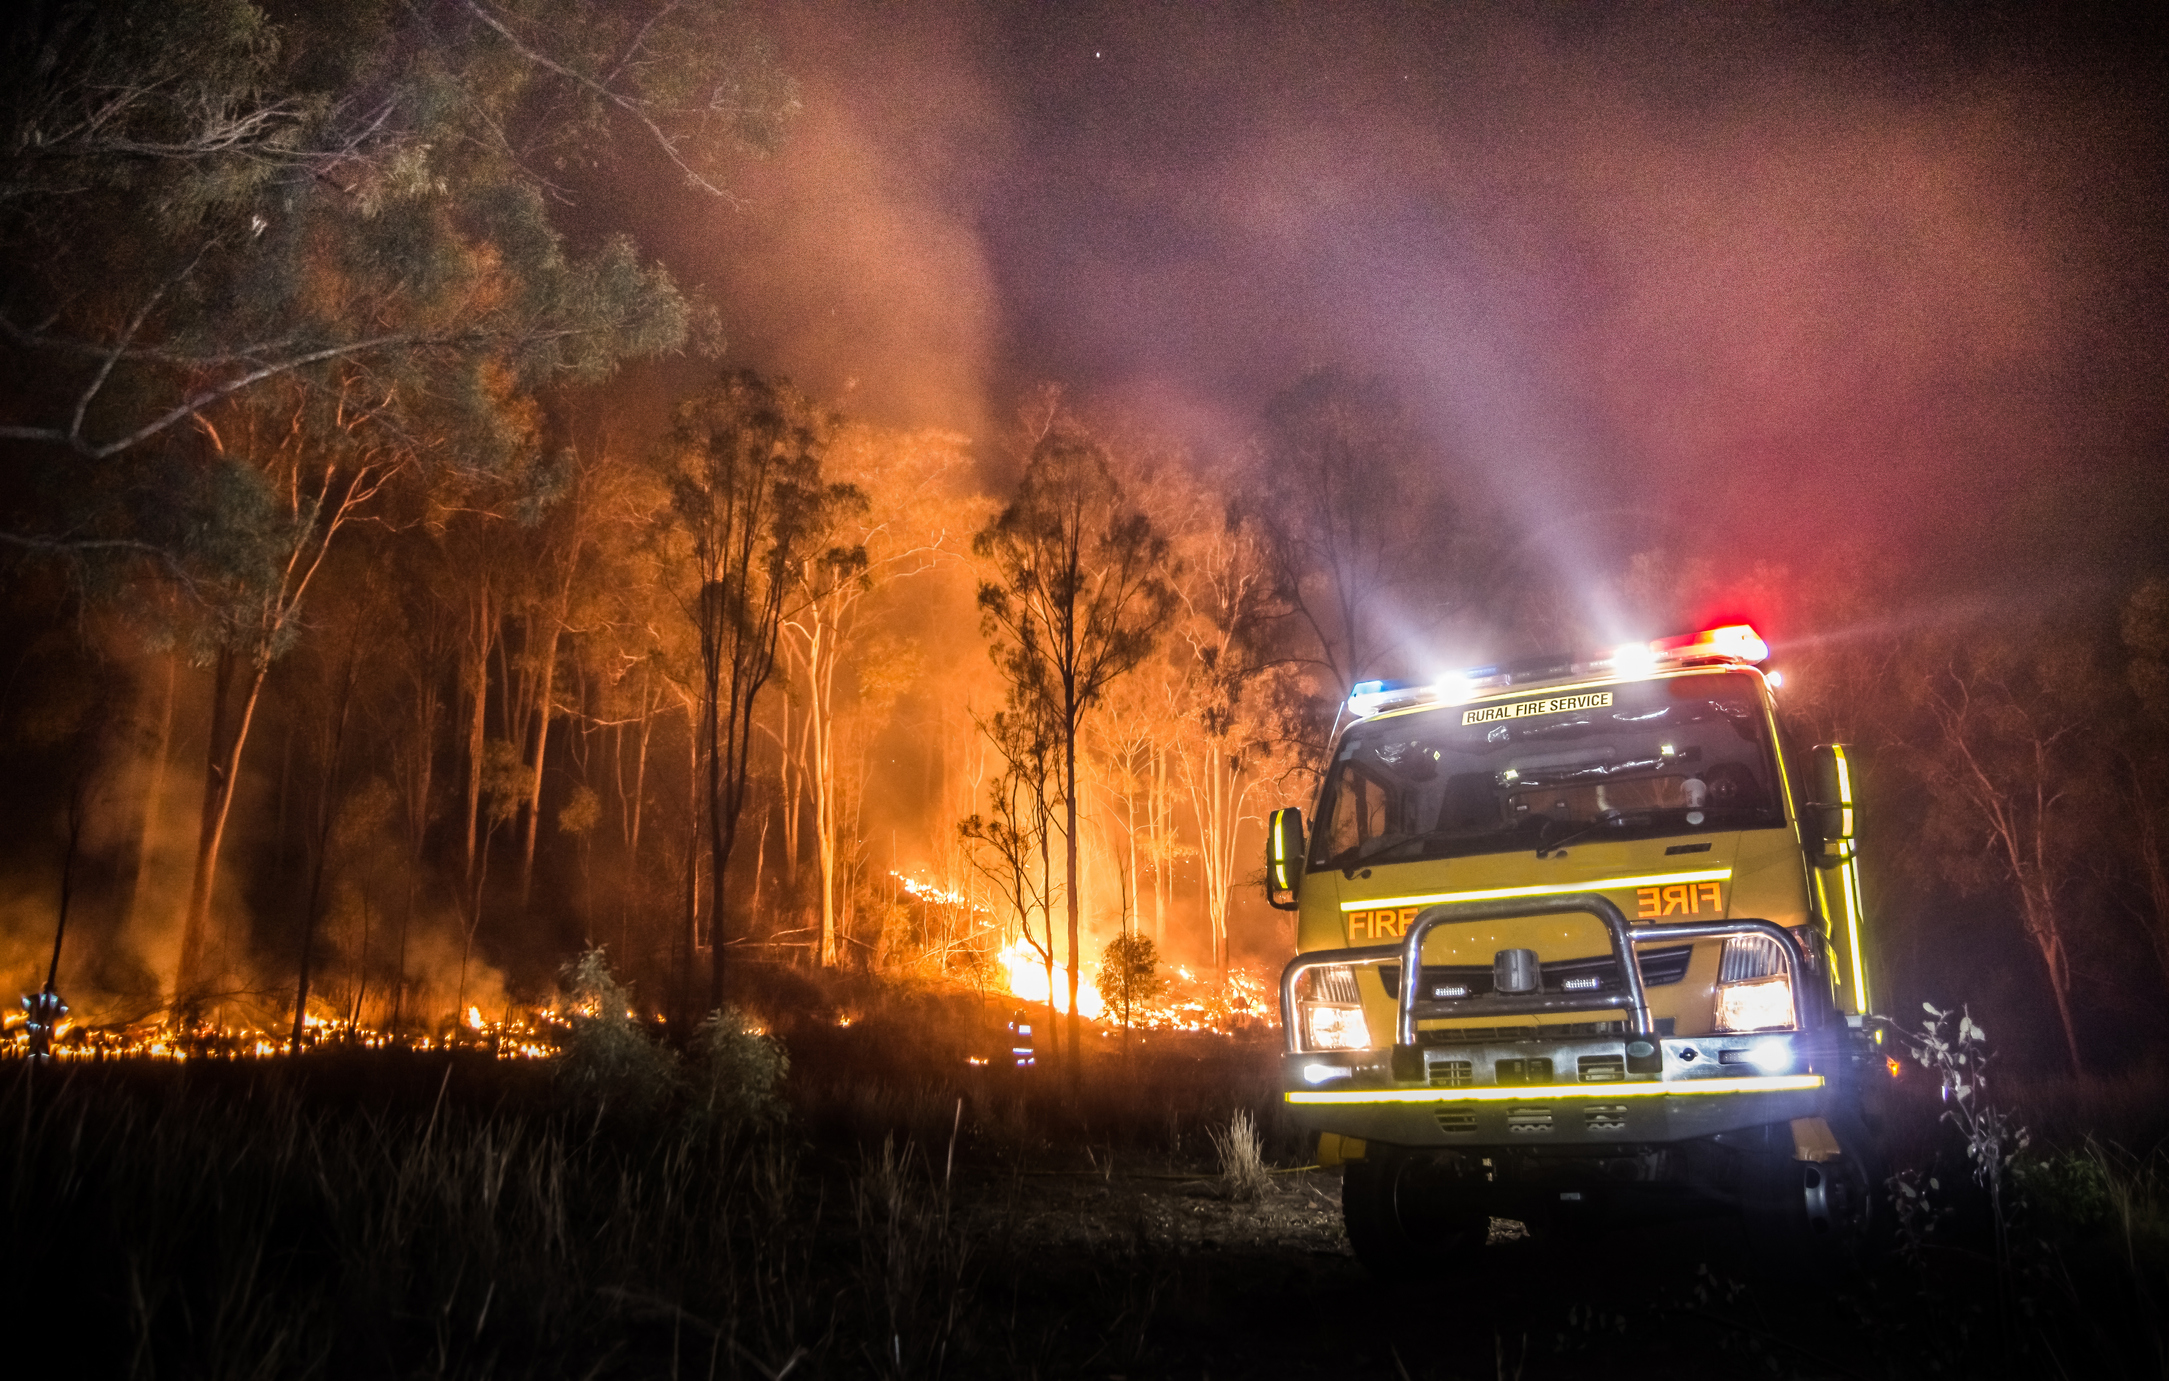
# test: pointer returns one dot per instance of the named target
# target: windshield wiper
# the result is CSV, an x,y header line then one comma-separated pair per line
x,y
1380,843
1545,848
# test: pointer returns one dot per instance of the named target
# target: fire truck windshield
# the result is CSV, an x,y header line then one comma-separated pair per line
x,y
1634,760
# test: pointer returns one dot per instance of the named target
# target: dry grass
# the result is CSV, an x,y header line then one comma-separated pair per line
x,y
914,1216
1243,1176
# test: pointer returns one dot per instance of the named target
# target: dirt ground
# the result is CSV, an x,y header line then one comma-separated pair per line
x,y
1210,1287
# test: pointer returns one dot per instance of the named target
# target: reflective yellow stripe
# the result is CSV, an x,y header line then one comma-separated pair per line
x,y
1538,1093
1851,868
1548,890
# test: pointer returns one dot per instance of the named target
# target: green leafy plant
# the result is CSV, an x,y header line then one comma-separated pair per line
x,y
608,1059
1129,973
738,1071
1953,1047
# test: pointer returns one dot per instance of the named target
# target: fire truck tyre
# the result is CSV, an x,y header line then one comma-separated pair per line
x,y
1811,1216
1407,1220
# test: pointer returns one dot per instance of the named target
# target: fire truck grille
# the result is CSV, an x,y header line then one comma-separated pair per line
x,y
1598,974
1452,1121
1575,1030
1528,1121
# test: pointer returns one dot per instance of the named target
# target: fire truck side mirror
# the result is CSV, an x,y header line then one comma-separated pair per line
x,y
1833,803
1283,857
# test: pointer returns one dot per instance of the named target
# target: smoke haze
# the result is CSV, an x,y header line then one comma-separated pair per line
x,y
1756,283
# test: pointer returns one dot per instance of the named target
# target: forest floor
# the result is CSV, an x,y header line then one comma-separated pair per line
x,y
383,1214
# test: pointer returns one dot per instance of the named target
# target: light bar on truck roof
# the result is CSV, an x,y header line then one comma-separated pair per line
x,y
1735,642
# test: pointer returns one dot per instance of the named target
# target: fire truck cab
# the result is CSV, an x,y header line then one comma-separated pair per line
x,y
1578,938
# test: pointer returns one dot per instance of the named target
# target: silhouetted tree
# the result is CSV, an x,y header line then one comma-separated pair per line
x,y
1078,596
2146,753
744,464
1368,546
2015,773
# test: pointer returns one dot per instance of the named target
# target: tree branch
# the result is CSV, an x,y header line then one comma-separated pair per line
x,y
663,140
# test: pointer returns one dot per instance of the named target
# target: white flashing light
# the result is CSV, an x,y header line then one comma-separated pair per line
x,y
1367,698
1776,679
1320,1074
1771,1057
1633,659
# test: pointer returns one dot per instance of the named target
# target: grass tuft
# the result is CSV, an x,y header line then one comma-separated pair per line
x,y
1243,1175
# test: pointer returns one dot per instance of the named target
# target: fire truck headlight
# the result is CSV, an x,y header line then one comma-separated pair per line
x,y
1760,1004
1334,1027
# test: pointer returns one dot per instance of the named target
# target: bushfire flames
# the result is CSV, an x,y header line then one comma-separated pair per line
x,y
1028,980
537,1034
1185,1001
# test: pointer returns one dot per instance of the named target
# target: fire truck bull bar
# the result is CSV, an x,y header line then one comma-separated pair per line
x,y
1632,1001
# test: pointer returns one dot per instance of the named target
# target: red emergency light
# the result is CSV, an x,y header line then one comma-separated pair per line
x,y
1735,640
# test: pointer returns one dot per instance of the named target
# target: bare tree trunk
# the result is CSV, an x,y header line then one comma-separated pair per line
x,y
326,804
361,969
1075,907
154,795
541,717
1046,911
475,673
2155,866
692,870
1163,857
399,983
793,776
2041,926
222,774
821,739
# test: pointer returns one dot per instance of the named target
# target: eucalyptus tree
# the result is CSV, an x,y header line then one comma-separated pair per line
x,y
216,222
2016,763
1015,837
1234,680
744,467
892,523
1076,593
199,199
2146,765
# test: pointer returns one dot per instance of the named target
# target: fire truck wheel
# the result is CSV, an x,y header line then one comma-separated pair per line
x,y
1813,1216
1407,1217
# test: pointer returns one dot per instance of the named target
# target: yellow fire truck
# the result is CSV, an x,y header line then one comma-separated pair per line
x,y
1579,937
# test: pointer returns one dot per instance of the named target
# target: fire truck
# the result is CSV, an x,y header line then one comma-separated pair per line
x,y
1580,938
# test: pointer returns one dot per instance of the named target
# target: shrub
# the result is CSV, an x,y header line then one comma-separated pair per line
x,y
608,1059
738,1071
1129,973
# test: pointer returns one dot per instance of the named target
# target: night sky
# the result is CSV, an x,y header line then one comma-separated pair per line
x,y
1870,292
